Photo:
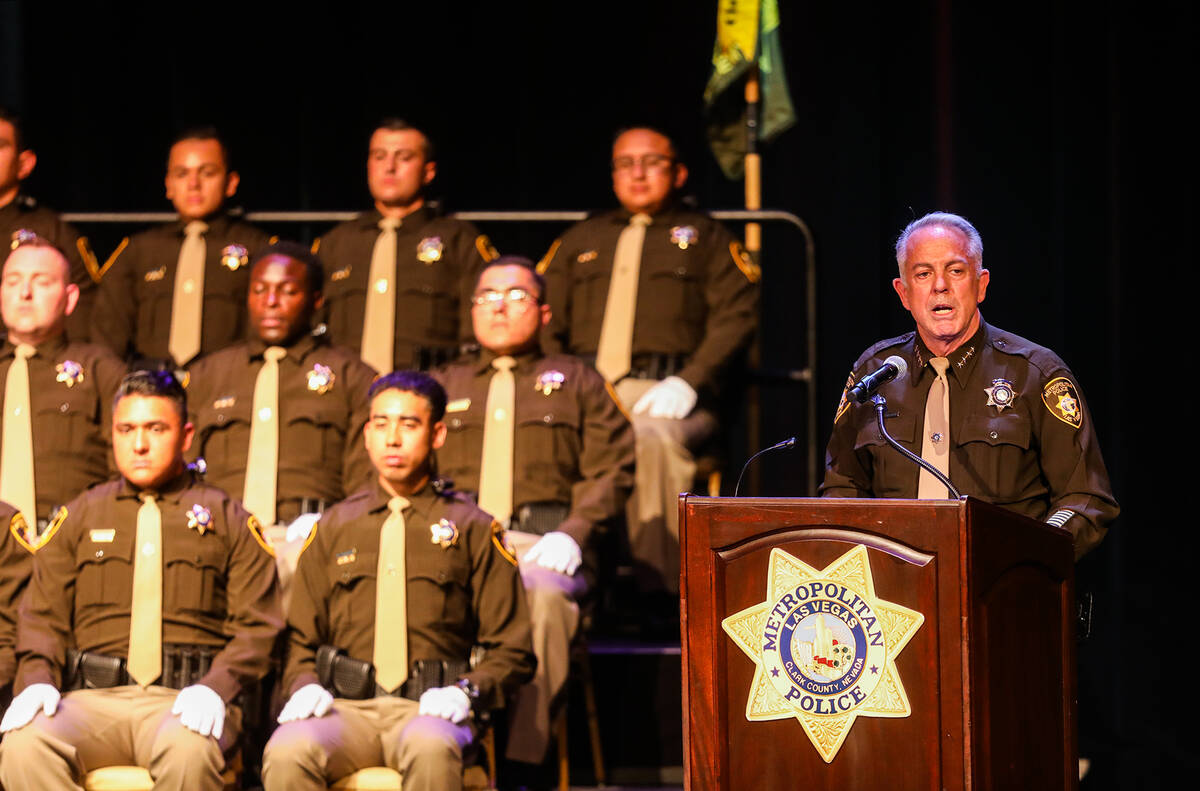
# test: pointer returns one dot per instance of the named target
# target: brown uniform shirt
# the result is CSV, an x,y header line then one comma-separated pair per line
x,y
16,563
572,444
24,212
437,262
322,408
697,291
1036,455
219,588
459,596
133,313
71,386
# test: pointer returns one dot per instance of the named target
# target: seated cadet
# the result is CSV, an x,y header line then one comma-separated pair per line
x,y
57,393
402,580
543,442
279,417
154,603
16,563
662,299
171,293
18,211
400,277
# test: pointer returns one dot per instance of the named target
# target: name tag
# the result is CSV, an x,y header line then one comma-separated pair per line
x,y
459,405
102,536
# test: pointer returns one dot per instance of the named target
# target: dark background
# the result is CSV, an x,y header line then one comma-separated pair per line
x,y
1057,127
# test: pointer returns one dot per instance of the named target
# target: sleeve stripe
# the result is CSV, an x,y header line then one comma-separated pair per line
x,y
1060,517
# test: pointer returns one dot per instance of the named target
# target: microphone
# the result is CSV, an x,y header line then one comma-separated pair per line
x,y
787,443
893,368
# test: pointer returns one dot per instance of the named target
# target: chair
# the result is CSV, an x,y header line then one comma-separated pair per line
x,y
137,778
381,778
581,668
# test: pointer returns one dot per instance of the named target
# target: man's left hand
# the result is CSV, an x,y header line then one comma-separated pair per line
x,y
556,551
201,710
449,703
671,398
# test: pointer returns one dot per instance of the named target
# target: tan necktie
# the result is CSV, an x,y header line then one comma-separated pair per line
x,y
16,455
935,447
262,461
391,601
496,467
616,331
145,616
379,316
187,304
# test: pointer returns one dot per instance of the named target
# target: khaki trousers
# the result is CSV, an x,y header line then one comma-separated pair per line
x,y
665,467
554,618
114,727
356,734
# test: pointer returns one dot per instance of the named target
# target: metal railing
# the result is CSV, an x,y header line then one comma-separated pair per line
x,y
804,376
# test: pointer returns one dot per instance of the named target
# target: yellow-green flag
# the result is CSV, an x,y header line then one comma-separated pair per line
x,y
747,31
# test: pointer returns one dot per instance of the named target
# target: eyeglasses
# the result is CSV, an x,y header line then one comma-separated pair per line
x,y
647,162
514,299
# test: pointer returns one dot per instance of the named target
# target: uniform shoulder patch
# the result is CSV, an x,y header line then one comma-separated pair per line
x,y
20,531
255,528
844,404
112,259
498,542
1062,399
741,257
487,250
544,264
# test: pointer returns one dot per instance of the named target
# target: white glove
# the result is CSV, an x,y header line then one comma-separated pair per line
x,y
670,398
556,551
200,709
311,700
449,703
299,529
24,707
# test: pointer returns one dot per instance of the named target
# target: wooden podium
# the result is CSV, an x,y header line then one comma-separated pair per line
x,y
989,675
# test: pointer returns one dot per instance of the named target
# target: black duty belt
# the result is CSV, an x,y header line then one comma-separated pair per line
x,y
289,508
539,518
652,365
182,666
427,357
351,678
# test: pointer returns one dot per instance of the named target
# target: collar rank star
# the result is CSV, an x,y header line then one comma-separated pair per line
x,y
824,647
549,381
429,249
444,533
684,235
320,379
234,257
70,373
199,519
1000,394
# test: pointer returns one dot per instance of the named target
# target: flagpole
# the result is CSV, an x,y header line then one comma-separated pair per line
x,y
753,200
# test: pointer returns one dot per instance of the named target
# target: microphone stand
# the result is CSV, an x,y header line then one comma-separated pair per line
x,y
880,408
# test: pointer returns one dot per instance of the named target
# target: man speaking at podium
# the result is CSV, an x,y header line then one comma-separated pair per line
x,y
1002,417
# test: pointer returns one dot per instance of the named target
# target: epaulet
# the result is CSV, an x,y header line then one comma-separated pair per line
x,y
112,259
544,264
744,262
51,529
487,251
899,340
1007,343
256,530
498,542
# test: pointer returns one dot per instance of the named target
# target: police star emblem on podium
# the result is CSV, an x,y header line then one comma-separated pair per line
x,y
824,648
